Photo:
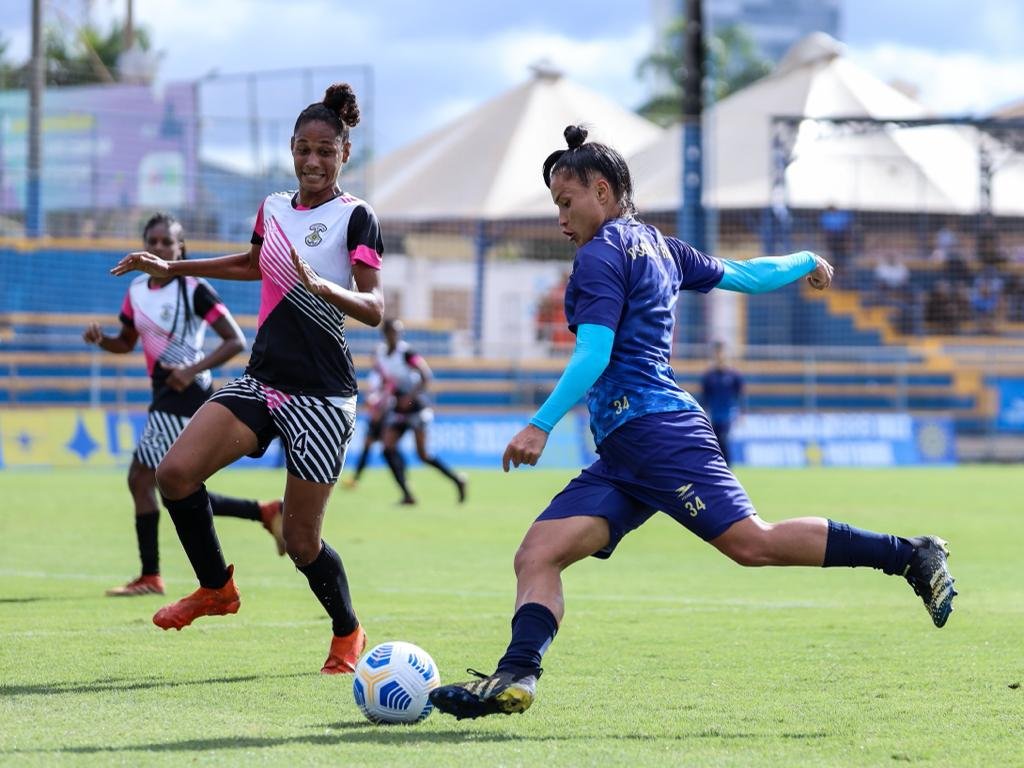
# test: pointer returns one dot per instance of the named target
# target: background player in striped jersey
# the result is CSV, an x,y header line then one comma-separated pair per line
x,y
407,376
656,448
378,403
170,316
317,253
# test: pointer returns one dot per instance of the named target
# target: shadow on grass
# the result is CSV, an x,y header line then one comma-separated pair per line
x,y
124,684
364,733
19,600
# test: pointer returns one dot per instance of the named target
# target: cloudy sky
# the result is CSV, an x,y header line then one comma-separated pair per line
x,y
433,61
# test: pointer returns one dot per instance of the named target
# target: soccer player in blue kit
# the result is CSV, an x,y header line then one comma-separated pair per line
x,y
656,448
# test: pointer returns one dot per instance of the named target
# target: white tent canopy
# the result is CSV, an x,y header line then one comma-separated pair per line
x,y
934,169
487,164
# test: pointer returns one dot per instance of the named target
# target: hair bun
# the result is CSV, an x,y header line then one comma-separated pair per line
x,y
575,135
341,99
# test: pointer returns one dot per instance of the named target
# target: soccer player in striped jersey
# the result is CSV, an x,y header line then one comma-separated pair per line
x,y
407,376
170,317
656,447
317,253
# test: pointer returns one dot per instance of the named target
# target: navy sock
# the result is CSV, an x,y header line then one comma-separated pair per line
x,y
533,629
229,506
193,520
326,576
855,547
146,526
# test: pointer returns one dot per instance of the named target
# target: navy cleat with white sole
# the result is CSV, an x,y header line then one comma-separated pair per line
x,y
929,576
504,692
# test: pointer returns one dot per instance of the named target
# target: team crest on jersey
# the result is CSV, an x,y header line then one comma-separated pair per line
x,y
314,237
166,312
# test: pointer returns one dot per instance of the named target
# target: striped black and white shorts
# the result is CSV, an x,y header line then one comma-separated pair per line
x,y
161,430
315,430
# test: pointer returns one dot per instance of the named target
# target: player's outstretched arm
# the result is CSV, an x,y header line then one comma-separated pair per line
x,y
768,273
236,266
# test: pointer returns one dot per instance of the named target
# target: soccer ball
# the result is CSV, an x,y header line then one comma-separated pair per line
x,y
392,683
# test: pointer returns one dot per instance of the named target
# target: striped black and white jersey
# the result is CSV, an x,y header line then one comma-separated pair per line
x,y
300,346
171,321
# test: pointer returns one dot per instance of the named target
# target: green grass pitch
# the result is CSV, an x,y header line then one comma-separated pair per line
x,y
669,655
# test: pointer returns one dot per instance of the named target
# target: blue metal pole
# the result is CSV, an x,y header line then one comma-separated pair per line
x,y
480,243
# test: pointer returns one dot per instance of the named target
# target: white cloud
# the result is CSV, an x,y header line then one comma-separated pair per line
x,y
949,83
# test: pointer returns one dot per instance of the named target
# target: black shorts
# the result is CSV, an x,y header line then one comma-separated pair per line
x,y
315,430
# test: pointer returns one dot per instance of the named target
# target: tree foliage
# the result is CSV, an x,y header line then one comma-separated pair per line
x,y
731,59
74,55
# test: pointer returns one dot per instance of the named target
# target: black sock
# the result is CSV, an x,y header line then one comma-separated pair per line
x,y
363,458
229,506
193,520
397,464
327,579
436,463
533,629
146,526
854,547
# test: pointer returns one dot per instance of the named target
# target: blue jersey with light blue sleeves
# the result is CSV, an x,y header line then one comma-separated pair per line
x,y
627,279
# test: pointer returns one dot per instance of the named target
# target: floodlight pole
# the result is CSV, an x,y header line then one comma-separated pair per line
x,y
37,82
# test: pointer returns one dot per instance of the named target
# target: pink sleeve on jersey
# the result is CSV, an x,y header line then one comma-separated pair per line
x,y
365,254
126,307
259,229
217,311
415,360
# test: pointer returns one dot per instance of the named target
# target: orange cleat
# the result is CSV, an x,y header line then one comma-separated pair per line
x,y
146,584
272,517
202,602
345,652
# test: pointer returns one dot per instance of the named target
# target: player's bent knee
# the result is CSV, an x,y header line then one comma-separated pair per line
x,y
174,480
302,548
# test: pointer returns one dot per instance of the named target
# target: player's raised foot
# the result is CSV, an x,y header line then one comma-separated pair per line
x,y
929,576
202,602
272,517
345,652
146,584
504,692
461,481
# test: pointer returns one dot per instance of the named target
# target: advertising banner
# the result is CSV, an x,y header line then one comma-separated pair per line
x,y
843,440
70,437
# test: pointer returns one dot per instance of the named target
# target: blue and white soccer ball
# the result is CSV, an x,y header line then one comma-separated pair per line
x,y
393,681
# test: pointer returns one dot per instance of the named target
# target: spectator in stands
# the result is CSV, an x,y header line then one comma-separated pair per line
x,y
989,253
317,252
946,241
950,255
837,226
939,315
551,316
987,300
892,278
170,315
722,397
407,376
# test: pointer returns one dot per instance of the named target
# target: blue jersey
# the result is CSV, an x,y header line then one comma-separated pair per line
x,y
723,390
627,279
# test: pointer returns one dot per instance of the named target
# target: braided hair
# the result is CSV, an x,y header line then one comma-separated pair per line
x,y
582,161
338,109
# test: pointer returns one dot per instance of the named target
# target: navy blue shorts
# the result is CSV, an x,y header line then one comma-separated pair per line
x,y
668,462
